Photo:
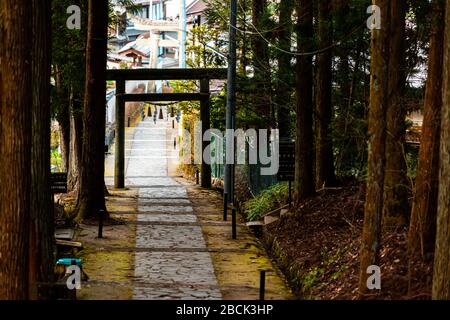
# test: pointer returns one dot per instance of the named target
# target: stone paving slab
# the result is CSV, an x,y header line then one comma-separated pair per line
x,y
148,169
162,236
184,218
163,192
180,293
189,268
150,181
164,209
165,202
166,199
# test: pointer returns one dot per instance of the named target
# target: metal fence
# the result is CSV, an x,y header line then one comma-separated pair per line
x,y
258,182
217,167
251,172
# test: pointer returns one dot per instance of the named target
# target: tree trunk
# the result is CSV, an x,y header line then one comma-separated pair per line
x,y
341,12
91,194
63,118
15,151
396,185
283,89
422,229
324,110
243,26
76,134
304,149
371,236
41,221
441,276
342,96
261,63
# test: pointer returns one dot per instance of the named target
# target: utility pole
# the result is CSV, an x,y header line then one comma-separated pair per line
x,y
182,54
230,111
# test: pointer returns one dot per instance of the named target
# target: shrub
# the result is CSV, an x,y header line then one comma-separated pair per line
x,y
270,199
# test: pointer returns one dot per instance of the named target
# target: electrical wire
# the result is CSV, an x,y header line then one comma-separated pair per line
x,y
293,53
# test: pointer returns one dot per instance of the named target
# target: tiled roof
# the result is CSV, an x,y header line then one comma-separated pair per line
x,y
196,7
138,45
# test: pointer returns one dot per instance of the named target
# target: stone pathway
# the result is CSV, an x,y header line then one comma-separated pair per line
x,y
173,243
171,261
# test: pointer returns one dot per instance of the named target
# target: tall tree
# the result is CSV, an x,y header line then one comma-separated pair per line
x,y
284,75
63,118
341,13
396,186
261,84
91,193
260,55
41,211
371,237
304,149
422,229
76,134
242,24
324,110
15,151
351,85
441,275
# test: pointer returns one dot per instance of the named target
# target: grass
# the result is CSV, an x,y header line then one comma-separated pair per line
x,y
311,279
270,199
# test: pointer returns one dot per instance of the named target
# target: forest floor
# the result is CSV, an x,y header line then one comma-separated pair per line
x,y
318,250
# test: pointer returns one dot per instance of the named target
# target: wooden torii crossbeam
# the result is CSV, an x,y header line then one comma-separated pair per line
x,y
167,74
173,97
123,75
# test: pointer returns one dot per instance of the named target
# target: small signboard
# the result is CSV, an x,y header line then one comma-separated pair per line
x,y
286,161
58,182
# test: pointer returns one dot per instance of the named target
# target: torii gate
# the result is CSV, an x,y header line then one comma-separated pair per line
x,y
123,75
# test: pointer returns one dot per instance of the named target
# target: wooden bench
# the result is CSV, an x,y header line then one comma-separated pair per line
x,y
65,244
69,244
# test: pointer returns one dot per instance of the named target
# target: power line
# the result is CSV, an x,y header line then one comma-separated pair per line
x,y
293,53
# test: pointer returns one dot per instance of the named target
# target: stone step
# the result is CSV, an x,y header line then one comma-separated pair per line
x,y
270,219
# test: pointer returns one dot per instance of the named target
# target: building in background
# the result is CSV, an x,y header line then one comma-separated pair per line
x,y
195,13
149,38
153,37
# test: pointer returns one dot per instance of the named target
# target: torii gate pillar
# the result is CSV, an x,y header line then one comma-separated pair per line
x,y
119,158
